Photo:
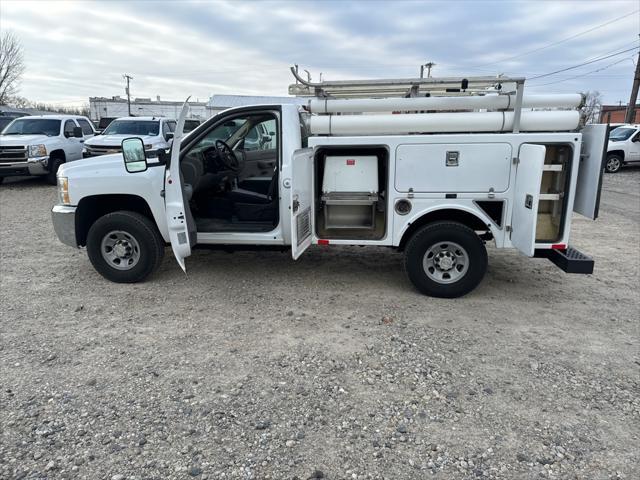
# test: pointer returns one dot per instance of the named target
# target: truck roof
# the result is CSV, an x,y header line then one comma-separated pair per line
x,y
57,117
143,118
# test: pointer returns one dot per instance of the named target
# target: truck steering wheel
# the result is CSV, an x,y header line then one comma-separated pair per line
x,y
227,156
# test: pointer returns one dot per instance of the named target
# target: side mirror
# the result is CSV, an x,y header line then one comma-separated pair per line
x,y
266,139
134,156
168,136
77,132
272,133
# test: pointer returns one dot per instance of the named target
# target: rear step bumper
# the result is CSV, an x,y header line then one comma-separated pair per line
x,y
569,260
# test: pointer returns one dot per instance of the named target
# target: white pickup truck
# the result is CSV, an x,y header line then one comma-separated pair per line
x,y
38,145
434,185
623,147
155,132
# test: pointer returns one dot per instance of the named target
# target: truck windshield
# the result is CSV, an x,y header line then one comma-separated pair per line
x,y
133,127
621,133
33,126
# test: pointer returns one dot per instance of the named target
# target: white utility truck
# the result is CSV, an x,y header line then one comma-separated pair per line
x,y
432,167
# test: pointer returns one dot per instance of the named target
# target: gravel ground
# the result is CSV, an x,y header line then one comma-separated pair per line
x,y
254,366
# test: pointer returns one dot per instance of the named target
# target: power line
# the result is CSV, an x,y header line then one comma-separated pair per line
x,y
583,64
561,41
583,74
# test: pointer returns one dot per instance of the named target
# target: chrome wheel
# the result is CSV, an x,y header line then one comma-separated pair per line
x,y
613,164
445,262
120,250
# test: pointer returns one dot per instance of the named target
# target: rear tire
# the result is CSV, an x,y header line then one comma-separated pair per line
x,y
445,259
613,164
125,247
53,170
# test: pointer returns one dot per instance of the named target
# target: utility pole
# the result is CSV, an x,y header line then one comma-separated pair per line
x,y
128,77
429,66
631,108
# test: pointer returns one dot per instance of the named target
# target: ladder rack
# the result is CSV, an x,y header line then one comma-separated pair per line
x,y
403,87
413,87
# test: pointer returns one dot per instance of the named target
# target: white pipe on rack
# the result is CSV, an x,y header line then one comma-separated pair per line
x,y
491,102
544,121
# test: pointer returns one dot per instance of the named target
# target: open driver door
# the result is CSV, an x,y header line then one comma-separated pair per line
x,y
180,222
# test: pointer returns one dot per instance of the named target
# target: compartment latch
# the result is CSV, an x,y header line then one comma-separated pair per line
x,y
452,159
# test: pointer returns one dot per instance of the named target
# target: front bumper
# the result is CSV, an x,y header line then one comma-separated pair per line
x,y
33,166
64,223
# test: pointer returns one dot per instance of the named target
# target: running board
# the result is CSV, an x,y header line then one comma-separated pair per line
x,y
569,260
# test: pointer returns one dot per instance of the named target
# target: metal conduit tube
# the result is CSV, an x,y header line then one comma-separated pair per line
x,y
492,102
544,121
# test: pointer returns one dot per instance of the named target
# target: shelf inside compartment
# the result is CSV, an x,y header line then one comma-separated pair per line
x,y
551,206
551,196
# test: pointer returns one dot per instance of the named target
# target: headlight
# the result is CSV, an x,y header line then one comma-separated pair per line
x,y
63,190
148,146
37,150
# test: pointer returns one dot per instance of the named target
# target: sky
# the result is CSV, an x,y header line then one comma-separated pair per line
x,y
174,49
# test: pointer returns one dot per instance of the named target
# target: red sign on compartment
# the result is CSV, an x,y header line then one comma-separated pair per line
x,y
351,161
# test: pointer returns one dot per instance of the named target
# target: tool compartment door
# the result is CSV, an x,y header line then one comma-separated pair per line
x,y
526,197
301,207
592,157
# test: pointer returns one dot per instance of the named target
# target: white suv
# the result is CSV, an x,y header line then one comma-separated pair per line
x,y
623,147
38,145
155,132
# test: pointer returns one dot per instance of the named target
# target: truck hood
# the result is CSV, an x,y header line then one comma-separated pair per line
x,y
113,162
20,140
116,140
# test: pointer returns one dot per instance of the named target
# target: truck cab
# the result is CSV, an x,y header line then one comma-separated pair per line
x,y
271,176
623,147
38,145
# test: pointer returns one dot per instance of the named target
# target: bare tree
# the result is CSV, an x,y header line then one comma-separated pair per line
x,y
11,66
592,106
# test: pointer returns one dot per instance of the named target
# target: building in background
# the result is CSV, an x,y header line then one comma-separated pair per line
x,y
114,107
616,113
218,103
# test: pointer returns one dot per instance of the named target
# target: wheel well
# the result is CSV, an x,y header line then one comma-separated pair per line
x,y
449,214
616,152
57,154
92,208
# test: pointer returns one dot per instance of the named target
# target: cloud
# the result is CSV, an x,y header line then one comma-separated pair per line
x,y
74,50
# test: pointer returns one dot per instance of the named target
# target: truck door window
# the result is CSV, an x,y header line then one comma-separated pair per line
x,y
68,128
86,126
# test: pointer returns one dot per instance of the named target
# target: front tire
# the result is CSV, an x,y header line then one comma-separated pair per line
x,y
53,170
445,259
125,247
613,164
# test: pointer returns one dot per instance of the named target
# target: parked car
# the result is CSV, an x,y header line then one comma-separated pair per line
x,y
155,132
38,145
623,147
